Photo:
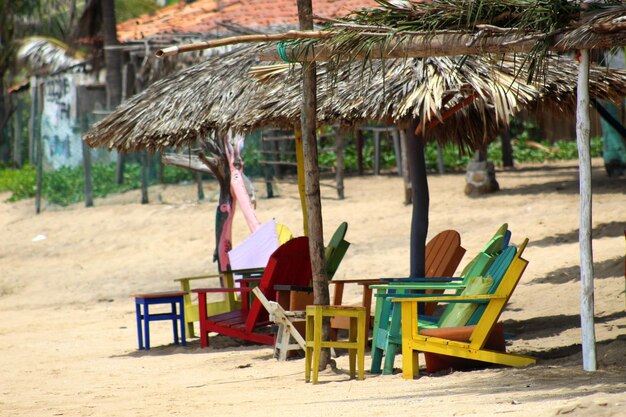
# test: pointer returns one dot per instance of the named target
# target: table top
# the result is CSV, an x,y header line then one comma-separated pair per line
x,y
159,294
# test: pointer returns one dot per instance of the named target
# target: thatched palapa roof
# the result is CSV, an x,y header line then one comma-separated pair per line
x,y
221,94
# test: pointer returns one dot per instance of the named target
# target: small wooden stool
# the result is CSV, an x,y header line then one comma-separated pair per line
x,y
145,300
314,344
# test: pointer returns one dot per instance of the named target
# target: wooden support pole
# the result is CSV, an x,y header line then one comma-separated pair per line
x,y
39,158
584,234
200,190
144,177
405,167
421,200
301,180
17,134
267,169
507,148
358,134
339,166
445,44
87,165
441,167
33,120
321,294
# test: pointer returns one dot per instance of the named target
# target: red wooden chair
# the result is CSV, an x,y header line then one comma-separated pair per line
x,y
289,265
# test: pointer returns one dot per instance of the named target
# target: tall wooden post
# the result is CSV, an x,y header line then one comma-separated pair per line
x,y
405,167
584,233
358,136
17,134
301,181
421,199
144,177
507,148
87,165
313,200
339,165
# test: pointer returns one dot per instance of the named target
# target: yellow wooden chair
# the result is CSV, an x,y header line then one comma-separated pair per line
x,y
474,348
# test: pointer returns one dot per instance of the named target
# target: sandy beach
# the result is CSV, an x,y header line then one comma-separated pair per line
x,y
68,338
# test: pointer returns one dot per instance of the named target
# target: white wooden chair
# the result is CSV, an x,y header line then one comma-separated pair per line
x,y
286,330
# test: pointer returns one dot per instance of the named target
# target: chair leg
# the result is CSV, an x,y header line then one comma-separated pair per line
x,y
393,339
146,325
139,329
308,354
174,323
317,343
181,313
380,333
352,353
362,340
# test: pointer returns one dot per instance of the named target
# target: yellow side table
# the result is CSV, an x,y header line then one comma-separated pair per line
x,y
314,344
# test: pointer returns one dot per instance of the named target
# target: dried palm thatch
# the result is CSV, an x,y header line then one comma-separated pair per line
x,y
512,21
221,94
46,54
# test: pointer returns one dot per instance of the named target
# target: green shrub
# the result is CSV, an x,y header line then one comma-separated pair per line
x,y
21,182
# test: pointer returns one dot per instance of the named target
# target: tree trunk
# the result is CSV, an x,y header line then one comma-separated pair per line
x,y
584,234
301,180
507,149
112,57
113,60
421,200
316,237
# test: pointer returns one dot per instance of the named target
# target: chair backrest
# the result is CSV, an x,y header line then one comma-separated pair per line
x,y
486,256
494,309
443,254
290,264
336,249
496,271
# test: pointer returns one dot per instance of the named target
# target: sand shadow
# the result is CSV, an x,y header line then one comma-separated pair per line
x,y
612,229
216,343
540,327
600,183
601,270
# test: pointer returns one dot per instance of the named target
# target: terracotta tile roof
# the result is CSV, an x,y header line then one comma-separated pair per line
x,y
204,16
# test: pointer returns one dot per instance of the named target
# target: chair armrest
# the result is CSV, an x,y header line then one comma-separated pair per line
x,y
248,271
356,281
422,279
293,288
480,298
421,286
221,290
246,281
199,277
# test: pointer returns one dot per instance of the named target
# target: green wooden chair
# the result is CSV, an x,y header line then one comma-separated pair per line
x,y
470,342
387,321
443,255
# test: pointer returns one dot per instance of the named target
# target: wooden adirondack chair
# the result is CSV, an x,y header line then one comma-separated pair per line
x,y
387,326
474,347
229,301
443,255
288,265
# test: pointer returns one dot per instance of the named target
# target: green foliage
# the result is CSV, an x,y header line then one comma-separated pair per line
x,y
21,182
125,10
66,186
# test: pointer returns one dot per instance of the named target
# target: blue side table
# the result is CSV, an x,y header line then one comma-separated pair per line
x,y
171,297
